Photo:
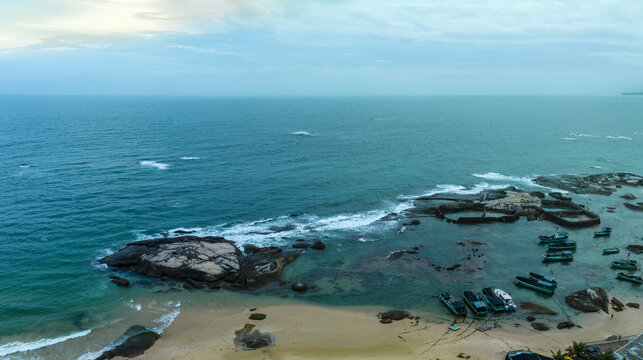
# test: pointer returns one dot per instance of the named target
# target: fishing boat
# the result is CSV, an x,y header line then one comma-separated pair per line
x,y
546,278
457,307
494,301
563,256
558,236
510,305
625,264
542,286
605,232
476,302
560,246
636,278
610,251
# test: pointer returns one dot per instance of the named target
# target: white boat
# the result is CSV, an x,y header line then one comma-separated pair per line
x,y
506,298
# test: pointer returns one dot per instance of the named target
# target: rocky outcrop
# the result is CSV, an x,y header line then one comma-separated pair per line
x,y
252,340
394,315
533,308
138,340
602,184
540,326
300,287
203,261
617,305
633,305
589,300
565,325
318,245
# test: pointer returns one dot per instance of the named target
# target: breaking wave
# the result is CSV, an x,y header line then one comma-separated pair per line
x,y
570,139
514,179
18,346
583,135
190,158
154,164
618,137
301,133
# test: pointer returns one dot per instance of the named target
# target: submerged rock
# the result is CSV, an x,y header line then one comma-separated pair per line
x,y
565,325
533,308
135,345
629,196
299,286
257,316
300,245
540,326
203,261
589,300
637,207
636,249
318,245
119,280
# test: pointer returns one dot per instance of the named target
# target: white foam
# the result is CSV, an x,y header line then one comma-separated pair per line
x,y
154,164
583,135
103,253
166,320
597,167
190,158
24,166
301,133
18,346
570,139
618,137
514,179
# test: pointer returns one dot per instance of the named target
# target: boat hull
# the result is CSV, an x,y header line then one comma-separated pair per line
x,y
533,287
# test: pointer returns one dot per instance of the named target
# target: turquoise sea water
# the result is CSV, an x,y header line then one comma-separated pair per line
x,y
82,176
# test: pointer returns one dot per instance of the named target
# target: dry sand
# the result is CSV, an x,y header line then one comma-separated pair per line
x,y
316,332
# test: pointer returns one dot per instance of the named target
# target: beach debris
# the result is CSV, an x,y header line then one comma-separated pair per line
x,y
635,249
257,316
534,309
589,300
300,286
318,245
633,305
138,340
252,340
565,325
540,326
203,261
119,280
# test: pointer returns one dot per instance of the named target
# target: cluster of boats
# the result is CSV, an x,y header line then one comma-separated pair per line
x,y
489,300
541,283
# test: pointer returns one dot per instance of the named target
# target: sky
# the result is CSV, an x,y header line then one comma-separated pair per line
x,y
321,47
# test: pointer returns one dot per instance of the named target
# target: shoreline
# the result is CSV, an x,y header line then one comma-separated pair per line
x,y
305,331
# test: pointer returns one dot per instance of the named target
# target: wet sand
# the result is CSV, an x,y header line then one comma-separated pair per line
x,y
316,332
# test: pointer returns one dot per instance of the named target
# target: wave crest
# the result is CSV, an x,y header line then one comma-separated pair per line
x,y
301,133
18,346
154,164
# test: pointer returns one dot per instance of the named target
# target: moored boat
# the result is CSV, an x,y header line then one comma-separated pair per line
x,y
545,278
636,278
456,307
534,284
610,251
494,301
558,236
560,246
476,302
566,255
510,305
625,264
606,231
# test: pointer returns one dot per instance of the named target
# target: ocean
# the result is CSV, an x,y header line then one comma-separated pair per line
x,y
82,176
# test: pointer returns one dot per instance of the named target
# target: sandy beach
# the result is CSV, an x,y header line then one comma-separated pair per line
x,y
316,332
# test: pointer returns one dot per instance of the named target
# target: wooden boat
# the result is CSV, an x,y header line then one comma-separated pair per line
x,y
636,278
605,232
625,264
456,307
546,278
476,302
563,256
510,305
542,286
558,236
610,251
560,246
494,301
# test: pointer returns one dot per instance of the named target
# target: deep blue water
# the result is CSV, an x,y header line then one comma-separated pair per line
x,y
82,176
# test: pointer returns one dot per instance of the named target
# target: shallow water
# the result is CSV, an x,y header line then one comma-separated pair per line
x,y
82,176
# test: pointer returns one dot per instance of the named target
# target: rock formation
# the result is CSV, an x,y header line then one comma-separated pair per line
x,y
589,300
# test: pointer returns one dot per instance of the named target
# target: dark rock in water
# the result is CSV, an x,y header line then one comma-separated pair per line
x,y
257,316
253,340
637,207
300,240
139,340
299,286
538,194
250,249
530,318
636,249
318,245
119,280
589,300
560,196
394,315
183,232
565,325
203,261
300,245
617,303
415,222
540,326
278,229
602,184
533,308
633,305
396,255
629,196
